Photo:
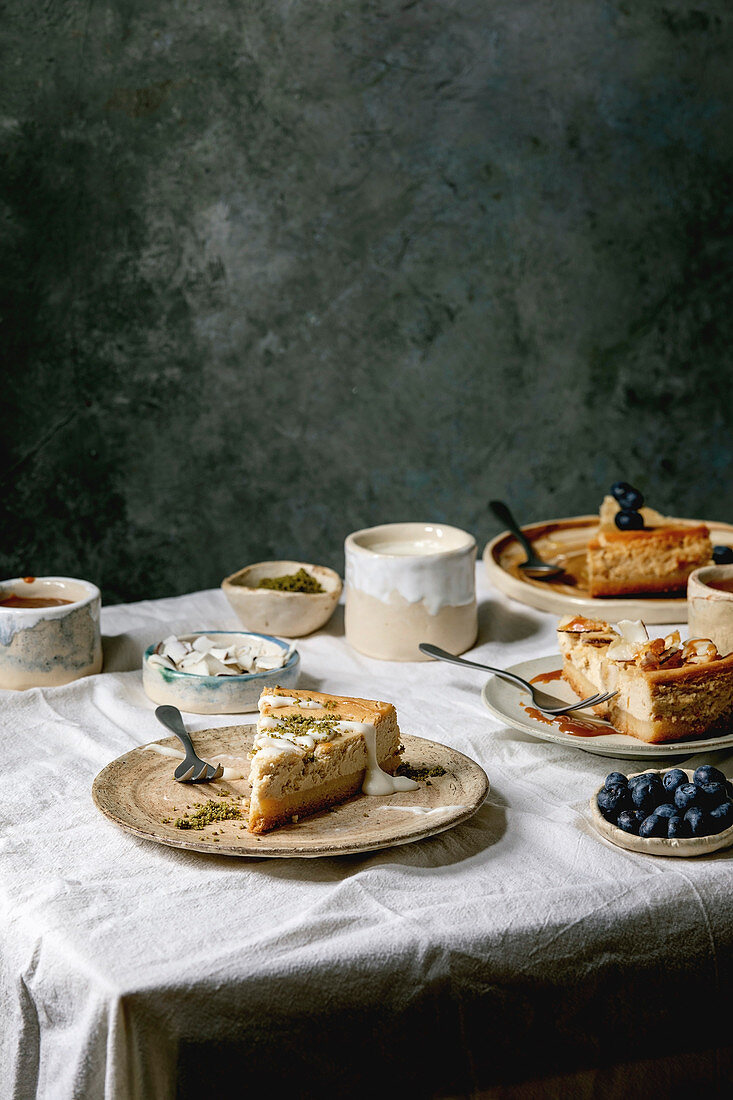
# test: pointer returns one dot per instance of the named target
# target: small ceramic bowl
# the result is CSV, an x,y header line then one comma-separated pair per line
x,y
660,846
291,614
51,645
710,605
216,694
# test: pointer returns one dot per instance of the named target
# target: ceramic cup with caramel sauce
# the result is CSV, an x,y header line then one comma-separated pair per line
x,y
49,631
710,605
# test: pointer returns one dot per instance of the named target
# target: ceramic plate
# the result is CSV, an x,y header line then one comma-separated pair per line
x,y
138,792
564,541
513,706
659,846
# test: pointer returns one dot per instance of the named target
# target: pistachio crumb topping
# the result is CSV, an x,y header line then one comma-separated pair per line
x,y
419,773
297,724
302,581
209,812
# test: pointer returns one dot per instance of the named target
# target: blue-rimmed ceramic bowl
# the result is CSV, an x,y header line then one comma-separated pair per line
x,y
216,694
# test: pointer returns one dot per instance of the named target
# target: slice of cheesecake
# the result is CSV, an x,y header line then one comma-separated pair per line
x,y
654,559
667,690
313,750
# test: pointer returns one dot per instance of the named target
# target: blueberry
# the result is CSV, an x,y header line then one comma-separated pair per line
x,y
639,815
673,778
697,821
706,773
628,520
729,788
647,793
653,826
615,779
666,810
611,802
677,827
686,795
627,820
712,794
634,779
723,555
620,488
721,817
631,501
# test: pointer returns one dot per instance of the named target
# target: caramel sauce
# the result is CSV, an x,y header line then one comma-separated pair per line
x,y
566,723
571,723
547,677
725,585
32,601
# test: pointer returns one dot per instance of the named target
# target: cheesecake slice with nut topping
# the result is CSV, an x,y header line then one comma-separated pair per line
x,y
313,750
667,690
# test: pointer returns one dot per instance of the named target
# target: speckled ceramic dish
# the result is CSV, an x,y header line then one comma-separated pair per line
x,y
563,541
270,610
47,646
659,846
138,792
216,694
511,704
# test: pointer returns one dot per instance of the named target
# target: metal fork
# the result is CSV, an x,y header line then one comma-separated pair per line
x,y
192,768
549,704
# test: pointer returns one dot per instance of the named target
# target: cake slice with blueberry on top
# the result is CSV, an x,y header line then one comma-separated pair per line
x,y
638,551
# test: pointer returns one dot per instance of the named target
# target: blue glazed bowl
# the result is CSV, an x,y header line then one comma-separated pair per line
x,y
216,694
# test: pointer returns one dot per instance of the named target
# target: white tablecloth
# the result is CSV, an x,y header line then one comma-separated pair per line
x,y
515,947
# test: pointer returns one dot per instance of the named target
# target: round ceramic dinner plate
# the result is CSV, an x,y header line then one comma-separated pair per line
x,y
138,792
505,700
564,541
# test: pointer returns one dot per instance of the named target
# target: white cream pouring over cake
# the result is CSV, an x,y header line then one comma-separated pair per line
x,y
376,780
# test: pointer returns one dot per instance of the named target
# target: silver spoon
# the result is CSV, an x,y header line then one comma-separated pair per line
x,y
550,704
192,768
534,566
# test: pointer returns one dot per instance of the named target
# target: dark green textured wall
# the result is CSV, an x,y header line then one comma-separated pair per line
x,y
275,271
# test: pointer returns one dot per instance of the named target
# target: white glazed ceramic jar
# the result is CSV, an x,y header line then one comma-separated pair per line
x,y
45,646
709,607
408,583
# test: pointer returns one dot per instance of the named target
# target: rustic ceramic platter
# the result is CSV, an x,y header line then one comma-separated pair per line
x,y
659,846
563,541
512,705
138,792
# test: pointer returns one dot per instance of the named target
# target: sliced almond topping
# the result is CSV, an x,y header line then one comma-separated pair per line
x,y
577,624
699,651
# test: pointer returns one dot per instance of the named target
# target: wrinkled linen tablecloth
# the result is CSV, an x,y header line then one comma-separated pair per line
x,y
513,949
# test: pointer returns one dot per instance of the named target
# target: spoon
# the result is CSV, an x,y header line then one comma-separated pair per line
x,y
534,566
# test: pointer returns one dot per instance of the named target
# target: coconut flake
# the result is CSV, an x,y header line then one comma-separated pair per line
x,y
206,656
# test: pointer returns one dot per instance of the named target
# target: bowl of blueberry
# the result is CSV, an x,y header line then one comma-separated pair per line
x,y
674,812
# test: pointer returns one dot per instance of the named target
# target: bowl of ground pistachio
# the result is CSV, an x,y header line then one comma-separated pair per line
x,y
288,598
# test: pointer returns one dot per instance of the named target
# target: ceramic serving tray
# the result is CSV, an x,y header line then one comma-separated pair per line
x,y
513,705
564,541
137,791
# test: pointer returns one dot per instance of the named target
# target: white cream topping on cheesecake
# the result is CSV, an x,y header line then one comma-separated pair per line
x,y
302,735
286,701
